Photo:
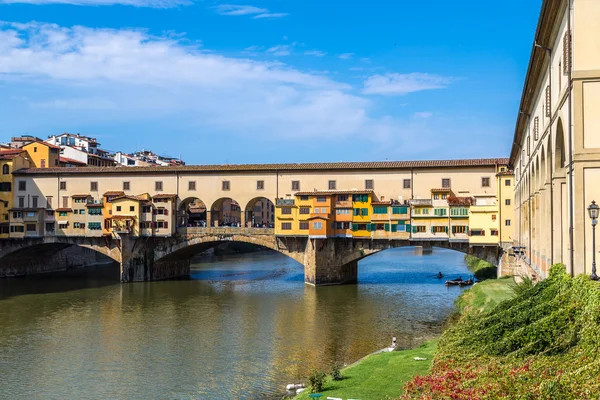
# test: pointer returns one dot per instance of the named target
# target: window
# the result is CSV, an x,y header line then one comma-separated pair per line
x,y
303,226
304,210
49,202
459,211
62,214
536,128
94,226
192,185
477,232
35,149
439,229
63,186
493,217
507,182
94,186
507,202
286,211
380,210
225,185
131,208
363,198
5,169
485,182
34,202
426,211
286,226
321,199
17,229
5,187
295,185
399,210
30,214
494,232
146,209
369,184
260,185
364,212
342,211
126,186
21,202
436,196
17,214
406,183
445,182
331,185
419,229
304,198
31,227
440,212
158,186
317,225
342,197
444,196
507,222
566,59
92,211
65,202
459,229
547,103
118,208
22,185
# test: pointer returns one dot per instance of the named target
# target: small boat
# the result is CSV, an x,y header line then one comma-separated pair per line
x,y
459,282
453,282
468,282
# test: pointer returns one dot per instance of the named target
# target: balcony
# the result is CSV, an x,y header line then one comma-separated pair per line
x,y
343,204
421,202
285,202
380,217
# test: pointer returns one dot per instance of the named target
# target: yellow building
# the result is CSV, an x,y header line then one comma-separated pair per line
x,y
10,160
506,209
361,213
483,220
42,154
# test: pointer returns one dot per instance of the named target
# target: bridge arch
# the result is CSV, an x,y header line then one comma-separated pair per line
x,y
260,212
225,211
191,211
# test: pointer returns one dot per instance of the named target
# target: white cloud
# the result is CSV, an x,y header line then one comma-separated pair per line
x,y
345,56
401,84
230,9
316,53
270,15
423,114
135,3
257,12
280,50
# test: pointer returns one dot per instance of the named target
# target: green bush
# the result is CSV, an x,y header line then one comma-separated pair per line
x,y
316,380
336,371
542,344
481,269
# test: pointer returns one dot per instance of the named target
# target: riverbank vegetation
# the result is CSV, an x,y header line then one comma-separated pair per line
x,y
542,344
378,376
481,268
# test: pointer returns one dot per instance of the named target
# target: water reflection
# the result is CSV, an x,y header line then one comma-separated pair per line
x,y
242,327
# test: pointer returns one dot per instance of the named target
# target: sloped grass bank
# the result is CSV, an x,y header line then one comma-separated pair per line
x,y
481,268
542,344
379,376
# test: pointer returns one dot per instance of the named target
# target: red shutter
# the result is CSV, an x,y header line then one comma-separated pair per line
x,y
166,225
166,212
154,212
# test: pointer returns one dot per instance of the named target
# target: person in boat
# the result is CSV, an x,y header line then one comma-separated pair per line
x,y
439,275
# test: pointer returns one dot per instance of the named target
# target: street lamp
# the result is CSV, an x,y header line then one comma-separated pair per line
x,y
593,211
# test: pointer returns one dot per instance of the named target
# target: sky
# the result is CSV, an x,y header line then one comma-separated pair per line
x,y
227,82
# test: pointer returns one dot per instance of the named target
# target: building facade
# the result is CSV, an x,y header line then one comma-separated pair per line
x,y
556,146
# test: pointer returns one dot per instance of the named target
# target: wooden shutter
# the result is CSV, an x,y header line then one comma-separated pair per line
x,y
166,225
567,53
166,212
387,227
548,111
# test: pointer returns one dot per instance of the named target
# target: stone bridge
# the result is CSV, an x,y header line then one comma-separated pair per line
x,y
326,261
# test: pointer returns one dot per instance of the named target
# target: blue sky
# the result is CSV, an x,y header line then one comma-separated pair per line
x,y
269,81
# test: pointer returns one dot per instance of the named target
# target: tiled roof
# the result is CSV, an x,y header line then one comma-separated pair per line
x,y
136,198
10,154
114,193
381,203
332,192
38,141
164,196
70,161
121,217
79,196
506,173
445,190
318,217
330,166
64,209
94,205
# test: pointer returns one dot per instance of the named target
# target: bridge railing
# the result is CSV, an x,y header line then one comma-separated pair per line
x,y
224,230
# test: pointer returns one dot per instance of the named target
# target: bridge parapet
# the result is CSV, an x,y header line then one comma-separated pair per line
x,y
224,230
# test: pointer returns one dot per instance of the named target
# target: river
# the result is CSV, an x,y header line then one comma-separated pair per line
x,y
242,327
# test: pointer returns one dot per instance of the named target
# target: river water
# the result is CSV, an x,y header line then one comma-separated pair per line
x,y
241,328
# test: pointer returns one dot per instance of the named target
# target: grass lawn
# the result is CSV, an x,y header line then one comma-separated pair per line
x,y
379,376
485,295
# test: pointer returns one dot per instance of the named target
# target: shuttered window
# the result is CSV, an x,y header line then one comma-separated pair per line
x,y
399,210
566,53
536,128
548,111
380,210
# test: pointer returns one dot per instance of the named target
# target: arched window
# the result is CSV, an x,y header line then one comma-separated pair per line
x,y
5,169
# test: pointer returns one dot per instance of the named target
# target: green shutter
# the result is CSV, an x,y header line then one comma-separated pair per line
x,y
365,212
354,227
394,228
414,229
403,210
446,229
432,229
407,227
402,222
387,227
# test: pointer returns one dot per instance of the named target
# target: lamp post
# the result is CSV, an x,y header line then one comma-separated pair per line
x,y
593,210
